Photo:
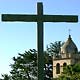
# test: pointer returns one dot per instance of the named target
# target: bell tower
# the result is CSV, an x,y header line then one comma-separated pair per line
x,y
68,55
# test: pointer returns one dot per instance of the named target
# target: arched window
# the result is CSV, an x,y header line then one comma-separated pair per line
x,y
57,68
64,66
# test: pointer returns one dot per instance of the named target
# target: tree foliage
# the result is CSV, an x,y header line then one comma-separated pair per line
x,y
6,77
25,64
71,72
54,48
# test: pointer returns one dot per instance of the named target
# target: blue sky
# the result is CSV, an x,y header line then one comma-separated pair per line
x,y
19,36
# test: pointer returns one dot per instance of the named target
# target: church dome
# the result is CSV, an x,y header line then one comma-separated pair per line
x,y
69,46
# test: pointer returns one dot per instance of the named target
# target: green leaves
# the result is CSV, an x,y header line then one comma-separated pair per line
x,y
54,48
71,72
24,65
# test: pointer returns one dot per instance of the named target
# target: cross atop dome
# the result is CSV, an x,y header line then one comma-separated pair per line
x,y
69,31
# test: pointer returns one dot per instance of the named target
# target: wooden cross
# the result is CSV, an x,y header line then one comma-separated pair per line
x,y
40,18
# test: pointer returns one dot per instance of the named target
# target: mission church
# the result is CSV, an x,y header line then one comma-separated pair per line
x,y
68,55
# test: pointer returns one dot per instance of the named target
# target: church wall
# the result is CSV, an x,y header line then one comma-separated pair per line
x,y
68,61
61,62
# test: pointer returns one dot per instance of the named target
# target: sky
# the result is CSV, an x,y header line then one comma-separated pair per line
x,y
16,37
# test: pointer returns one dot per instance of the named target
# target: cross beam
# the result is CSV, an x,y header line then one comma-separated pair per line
x,y
40,18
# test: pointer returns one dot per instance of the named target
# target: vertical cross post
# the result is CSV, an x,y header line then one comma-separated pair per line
x,y
40,43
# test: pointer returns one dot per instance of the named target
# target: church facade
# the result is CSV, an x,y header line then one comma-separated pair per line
x,y
68,55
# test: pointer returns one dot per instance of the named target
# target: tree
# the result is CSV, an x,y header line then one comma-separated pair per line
x,y
48,66
6,77
54,48
25,66
71,72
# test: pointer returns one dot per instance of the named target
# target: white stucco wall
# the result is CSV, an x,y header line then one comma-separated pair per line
x,y
61,62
